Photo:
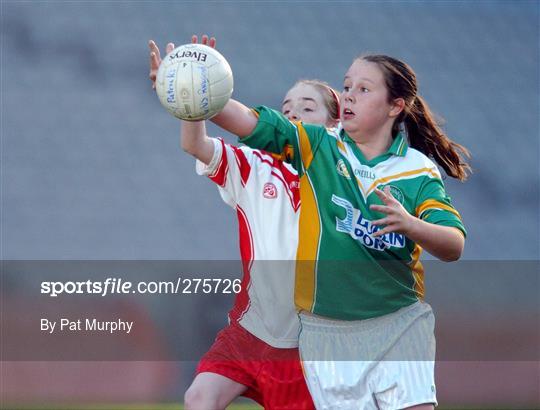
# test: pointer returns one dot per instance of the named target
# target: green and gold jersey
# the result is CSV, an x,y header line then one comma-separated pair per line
x,y
342,271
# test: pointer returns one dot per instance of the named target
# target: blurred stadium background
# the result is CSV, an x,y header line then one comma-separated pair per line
x,y
92,170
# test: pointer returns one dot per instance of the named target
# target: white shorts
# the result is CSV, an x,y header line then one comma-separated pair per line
x,y
382,363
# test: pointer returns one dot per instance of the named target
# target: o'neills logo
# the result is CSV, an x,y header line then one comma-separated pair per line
x,y
364,173
362,230
342,169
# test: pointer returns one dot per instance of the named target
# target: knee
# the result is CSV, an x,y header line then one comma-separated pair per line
x,y
193,398
196,398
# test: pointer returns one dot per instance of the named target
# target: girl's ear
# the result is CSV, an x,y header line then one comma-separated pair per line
x,y
397,107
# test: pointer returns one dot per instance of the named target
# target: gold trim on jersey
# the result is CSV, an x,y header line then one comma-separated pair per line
x,y
306,153
308,247
430,204
402,175
287,154
417,270
347,152
309,230
402,147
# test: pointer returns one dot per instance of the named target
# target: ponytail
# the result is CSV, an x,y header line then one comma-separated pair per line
x,y
426,136
424,133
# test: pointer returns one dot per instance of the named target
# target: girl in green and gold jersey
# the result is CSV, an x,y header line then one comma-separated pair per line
x,y
372,199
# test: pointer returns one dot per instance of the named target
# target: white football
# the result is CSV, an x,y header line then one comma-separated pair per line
x,y
194,82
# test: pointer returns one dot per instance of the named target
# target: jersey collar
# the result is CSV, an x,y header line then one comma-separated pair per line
x,y
399,145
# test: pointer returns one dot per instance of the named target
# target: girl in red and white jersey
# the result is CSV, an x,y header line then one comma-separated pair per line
x,y
256,355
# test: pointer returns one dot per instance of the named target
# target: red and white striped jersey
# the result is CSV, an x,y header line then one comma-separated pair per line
x,y
265,193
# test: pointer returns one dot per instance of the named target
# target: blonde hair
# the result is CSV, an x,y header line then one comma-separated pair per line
x,y
330,96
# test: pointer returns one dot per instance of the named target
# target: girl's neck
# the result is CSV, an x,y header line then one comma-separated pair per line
x,y
374,145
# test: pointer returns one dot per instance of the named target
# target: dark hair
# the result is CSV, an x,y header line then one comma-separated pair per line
x,y
423,130
330,96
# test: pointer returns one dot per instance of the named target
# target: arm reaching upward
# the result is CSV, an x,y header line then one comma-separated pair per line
x,y
194,141
236,118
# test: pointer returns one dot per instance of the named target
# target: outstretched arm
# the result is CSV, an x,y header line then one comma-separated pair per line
x,y
193,138
235,117
194,141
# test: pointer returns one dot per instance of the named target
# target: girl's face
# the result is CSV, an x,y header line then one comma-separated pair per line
x,y
304,103
365,109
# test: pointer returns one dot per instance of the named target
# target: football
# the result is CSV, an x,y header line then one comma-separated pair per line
x,y
194,82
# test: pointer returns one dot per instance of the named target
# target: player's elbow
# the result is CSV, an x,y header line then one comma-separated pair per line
x,y
186,147
190,147
451,257
454,250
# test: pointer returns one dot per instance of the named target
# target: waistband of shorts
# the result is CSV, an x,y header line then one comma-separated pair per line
x,y
320,323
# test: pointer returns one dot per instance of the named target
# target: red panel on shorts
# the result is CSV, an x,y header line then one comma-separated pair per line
x,y
273,376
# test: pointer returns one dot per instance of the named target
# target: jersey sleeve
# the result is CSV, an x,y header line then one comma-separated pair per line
x,y
229,168
433,205
293,142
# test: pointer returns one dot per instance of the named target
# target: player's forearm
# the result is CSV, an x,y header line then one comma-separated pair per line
x,y
193,140
236,118
443,242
